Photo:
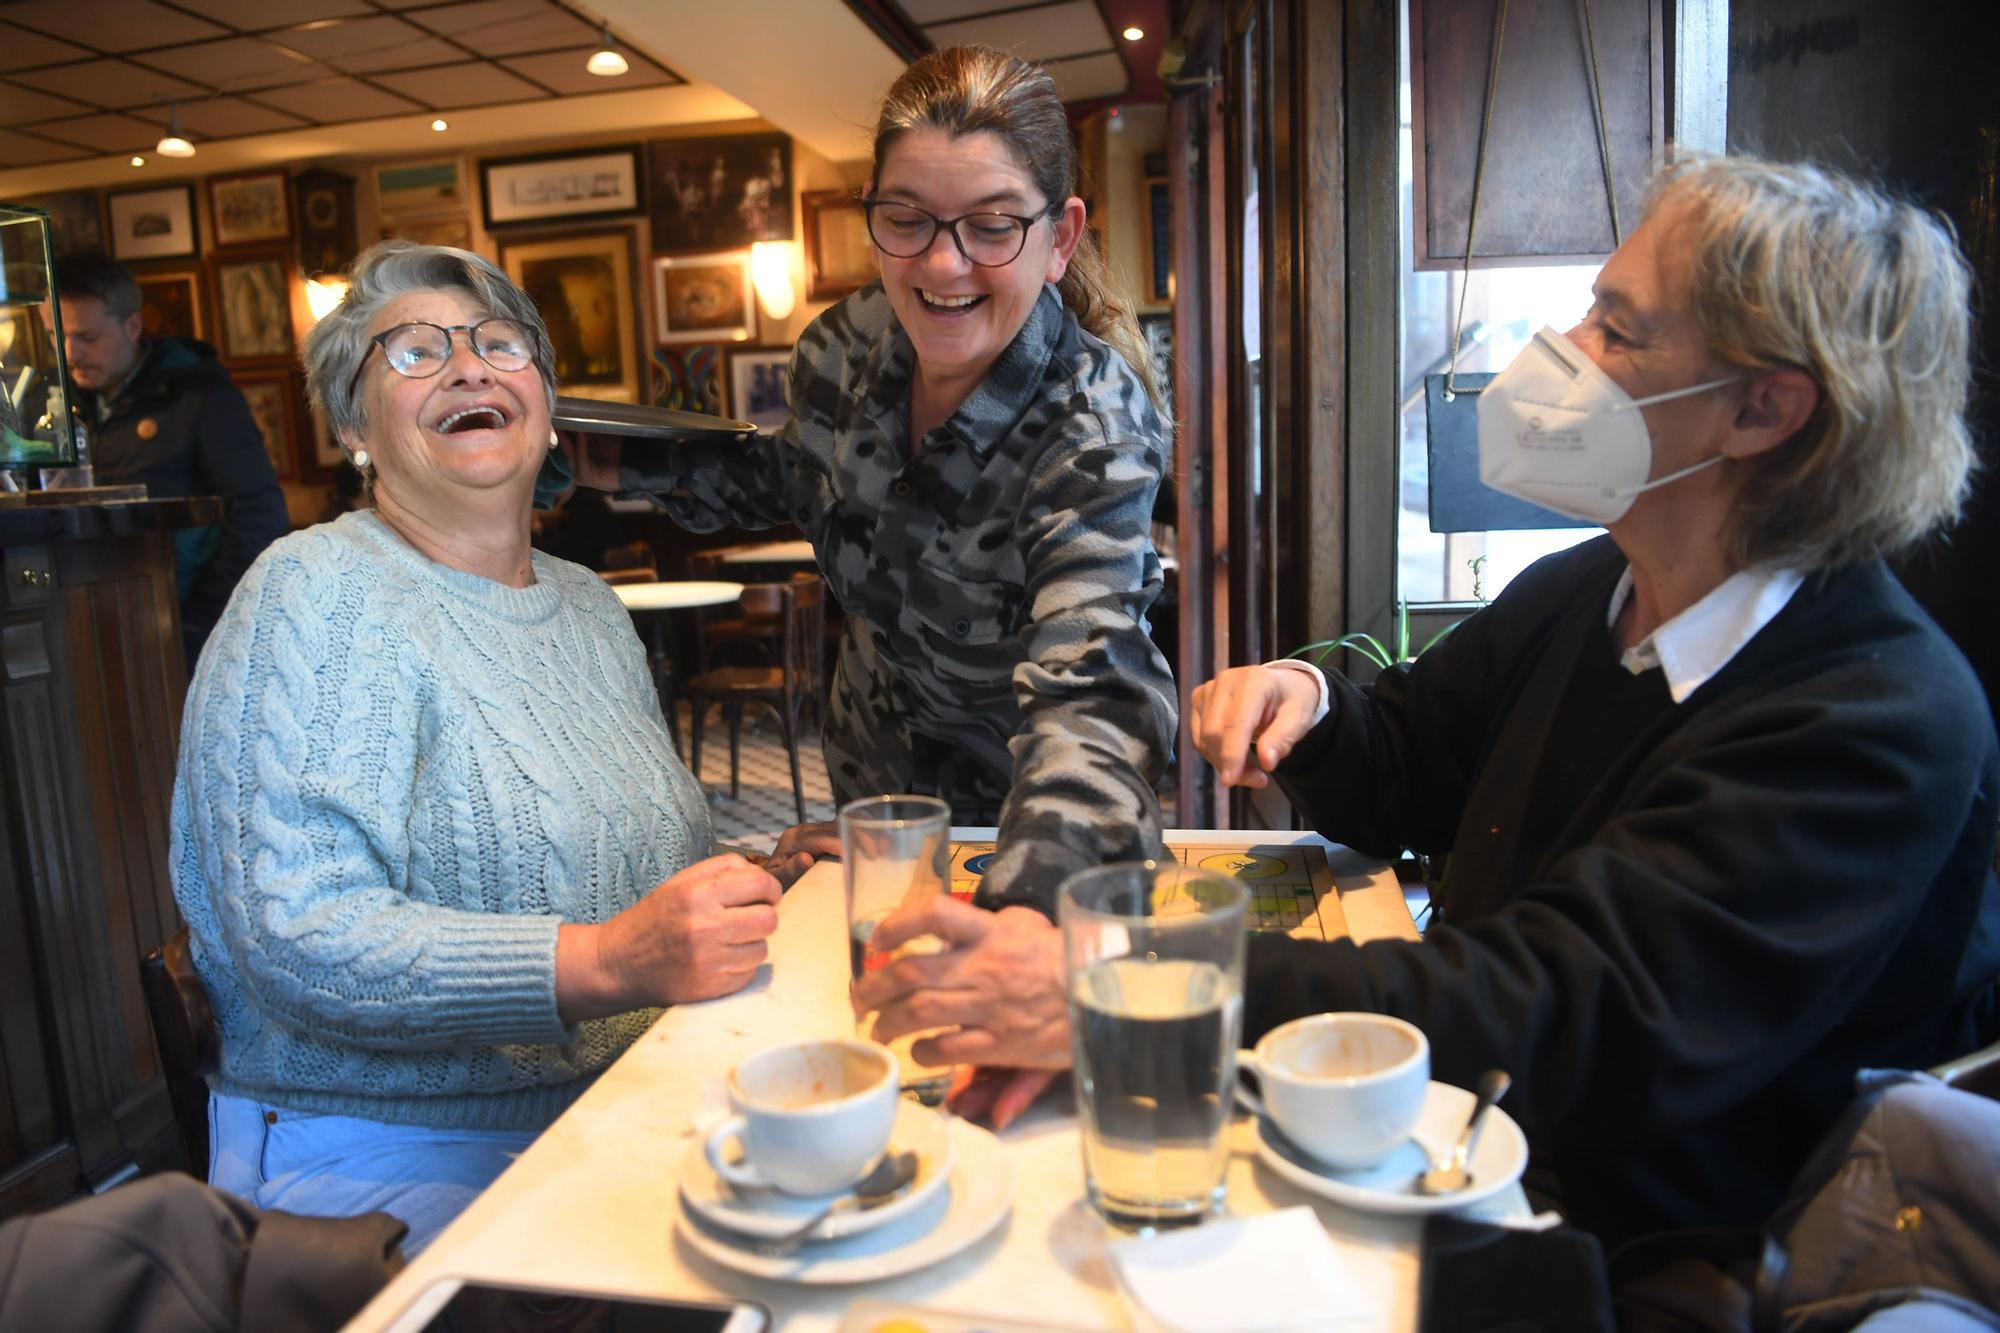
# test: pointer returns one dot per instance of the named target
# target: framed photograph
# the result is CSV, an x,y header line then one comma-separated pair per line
x,y
720,193
839,256
583,287
170,305
249,209
420,189
153,224
704,298
254,297
573,186
759,384
685,378
271,399
76,219
1158,331
455,232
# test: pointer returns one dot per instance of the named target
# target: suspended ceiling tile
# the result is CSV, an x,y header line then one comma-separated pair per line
x,y
1090,77
405,55
23,150
111,25
1043,33
239,64
112,83
21,49
507,27
377,42
925,12
336,100
563,71
474,83
19,104
258,15
104,134
227,117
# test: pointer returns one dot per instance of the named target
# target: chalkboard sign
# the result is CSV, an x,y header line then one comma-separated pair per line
x,y
1460,501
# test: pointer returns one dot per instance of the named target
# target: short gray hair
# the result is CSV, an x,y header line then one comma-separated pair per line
x,y
1799,267
339,343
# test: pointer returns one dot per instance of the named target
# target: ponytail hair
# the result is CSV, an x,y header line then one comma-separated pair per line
x,y
968,89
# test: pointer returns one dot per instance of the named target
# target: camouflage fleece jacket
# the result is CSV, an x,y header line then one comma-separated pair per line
x,y
996,580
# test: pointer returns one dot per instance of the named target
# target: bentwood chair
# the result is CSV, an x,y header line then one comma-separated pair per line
x,y
190,1044
785,684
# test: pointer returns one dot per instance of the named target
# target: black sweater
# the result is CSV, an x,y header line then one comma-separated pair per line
x,y
1681,928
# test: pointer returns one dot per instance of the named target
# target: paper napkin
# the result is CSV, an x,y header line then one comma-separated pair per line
x,y
1267,1273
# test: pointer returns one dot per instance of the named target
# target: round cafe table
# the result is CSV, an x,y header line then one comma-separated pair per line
x,y
772,553
652,601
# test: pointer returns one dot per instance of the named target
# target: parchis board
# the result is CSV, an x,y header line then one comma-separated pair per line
x,y
1285,884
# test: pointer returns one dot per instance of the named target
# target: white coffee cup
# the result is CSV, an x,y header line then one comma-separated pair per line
x,y
1347,1088
812,1117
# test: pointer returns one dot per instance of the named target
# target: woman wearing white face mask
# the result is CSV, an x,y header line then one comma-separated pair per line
x,y
1719,799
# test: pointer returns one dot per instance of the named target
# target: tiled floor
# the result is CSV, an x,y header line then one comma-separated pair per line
x,y
764,808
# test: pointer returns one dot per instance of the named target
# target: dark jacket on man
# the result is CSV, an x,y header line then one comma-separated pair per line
x,y
179,425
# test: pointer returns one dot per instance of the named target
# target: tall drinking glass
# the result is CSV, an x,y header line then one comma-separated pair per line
x,y
1154,958
895,850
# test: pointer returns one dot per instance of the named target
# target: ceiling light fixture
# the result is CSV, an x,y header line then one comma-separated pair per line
x,y
606,62
440,124
174,145
1134,33
138,161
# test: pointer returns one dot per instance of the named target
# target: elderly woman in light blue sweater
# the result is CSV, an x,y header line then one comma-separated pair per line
x,y
439,859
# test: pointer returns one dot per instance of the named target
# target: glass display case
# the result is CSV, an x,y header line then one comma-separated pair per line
x,y
36,430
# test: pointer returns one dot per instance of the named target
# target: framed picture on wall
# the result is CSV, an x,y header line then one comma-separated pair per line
x,y
572,186
685,377
1159,243
424,188
153,224
170,305
839,256
272,398
452,231
254,297
76,219
582,284
759,384
249,209
721,192
704,298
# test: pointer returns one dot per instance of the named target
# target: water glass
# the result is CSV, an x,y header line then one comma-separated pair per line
x,y
1153,952
895,851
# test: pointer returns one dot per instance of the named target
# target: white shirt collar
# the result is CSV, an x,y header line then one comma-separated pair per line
x,y
1701,640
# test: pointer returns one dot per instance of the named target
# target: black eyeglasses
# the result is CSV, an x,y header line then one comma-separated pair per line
x,y
420,350
990,240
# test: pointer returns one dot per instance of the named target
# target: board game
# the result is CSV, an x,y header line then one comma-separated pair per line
x,y
1286,883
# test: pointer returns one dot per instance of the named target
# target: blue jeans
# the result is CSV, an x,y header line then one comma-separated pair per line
x,y
339,1166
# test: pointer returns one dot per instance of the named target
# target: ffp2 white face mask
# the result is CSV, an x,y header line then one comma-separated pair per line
x,y
1556,431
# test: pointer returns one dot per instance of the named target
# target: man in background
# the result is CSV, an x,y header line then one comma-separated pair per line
x,y
164,412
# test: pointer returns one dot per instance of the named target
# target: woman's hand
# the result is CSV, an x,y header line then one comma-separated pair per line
x,y
997,1093
593,459
1247,720
998,982
697,935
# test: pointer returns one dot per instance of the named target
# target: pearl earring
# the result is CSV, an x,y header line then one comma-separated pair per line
x,y
552,437
360,458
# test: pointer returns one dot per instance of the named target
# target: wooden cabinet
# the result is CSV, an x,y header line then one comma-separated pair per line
x,y
91,682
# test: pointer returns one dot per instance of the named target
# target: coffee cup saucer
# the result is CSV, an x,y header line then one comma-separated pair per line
x,y
764,1213
1497,1160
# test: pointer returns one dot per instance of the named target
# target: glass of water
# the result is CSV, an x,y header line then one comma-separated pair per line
x,y
894,851
1154,957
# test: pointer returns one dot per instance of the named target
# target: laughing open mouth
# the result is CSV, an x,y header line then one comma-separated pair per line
x,y
939,301
480,416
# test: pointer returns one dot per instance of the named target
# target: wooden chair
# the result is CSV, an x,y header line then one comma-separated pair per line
x,y
190,1045
785,685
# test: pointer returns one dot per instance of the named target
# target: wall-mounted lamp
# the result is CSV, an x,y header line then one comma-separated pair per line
x,y
323,294
174,145
771,273
606,62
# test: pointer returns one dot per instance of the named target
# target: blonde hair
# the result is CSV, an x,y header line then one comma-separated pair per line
x,y
968,89
1798,267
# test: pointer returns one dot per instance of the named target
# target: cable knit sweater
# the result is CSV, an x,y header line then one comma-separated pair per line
x,y
396,781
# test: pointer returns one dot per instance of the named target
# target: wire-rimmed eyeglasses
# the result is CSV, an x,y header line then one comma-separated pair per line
x,y
990,240
419,350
